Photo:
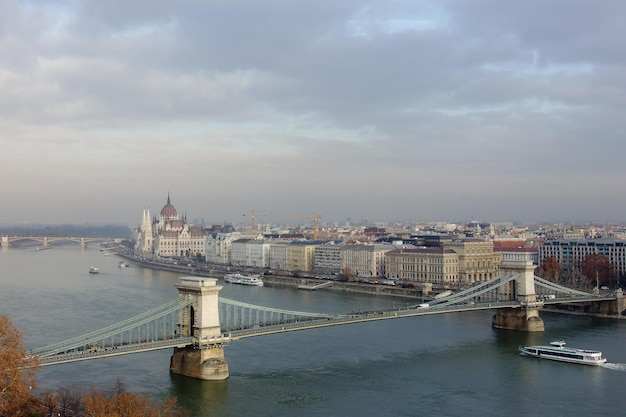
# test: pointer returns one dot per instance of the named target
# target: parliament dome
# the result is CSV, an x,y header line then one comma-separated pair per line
x,y
168,211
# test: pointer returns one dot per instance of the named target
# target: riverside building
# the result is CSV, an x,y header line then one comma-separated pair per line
x,y
435,265
569,253
462,261
168,235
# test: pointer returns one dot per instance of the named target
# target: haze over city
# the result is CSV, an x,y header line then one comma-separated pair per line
x,y
386,110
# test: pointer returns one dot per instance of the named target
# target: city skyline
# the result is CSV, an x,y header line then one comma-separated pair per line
x,y
386,110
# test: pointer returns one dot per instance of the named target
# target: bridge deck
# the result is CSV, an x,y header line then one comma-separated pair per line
x,y
114,351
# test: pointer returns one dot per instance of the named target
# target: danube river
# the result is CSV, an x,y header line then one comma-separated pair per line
x,y
443,365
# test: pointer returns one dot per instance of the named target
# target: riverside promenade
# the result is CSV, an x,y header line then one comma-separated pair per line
x,y
275,279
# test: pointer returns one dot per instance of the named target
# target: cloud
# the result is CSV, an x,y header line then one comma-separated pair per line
x,y
392,109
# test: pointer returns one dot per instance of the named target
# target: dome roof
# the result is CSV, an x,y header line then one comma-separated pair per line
x,y
168,210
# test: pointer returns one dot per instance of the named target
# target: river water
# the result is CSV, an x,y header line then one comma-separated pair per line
x,y
442,365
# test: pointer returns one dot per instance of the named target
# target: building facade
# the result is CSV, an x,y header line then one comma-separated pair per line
x,y
327,258
434,265
300,255
477,260
364,261
569,253
217,246
168,235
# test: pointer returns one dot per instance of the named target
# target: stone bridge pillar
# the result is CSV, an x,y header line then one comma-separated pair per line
x,y
204,359
526,318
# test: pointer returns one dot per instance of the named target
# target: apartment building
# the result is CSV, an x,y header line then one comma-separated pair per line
x,y
477,259
434,265
327,258
569,253
364,260
300,255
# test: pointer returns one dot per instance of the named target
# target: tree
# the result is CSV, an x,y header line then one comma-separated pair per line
x,y
347,275
128,404
18,381
49,402
17,373
70,402
597,268
550,269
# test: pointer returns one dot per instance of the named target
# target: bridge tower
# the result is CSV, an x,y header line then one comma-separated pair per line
x,y
526,318
204,358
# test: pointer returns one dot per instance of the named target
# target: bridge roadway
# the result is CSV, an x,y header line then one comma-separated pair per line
x,y
81,355
413,311
327,321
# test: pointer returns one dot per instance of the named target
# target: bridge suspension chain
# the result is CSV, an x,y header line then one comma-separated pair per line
x,y
274,310
116,329
543,283
237,315
468,295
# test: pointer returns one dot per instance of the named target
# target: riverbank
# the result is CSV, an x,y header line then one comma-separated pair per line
x,y
218,271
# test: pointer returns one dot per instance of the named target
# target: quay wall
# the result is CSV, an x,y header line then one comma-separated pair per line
x,y
218,271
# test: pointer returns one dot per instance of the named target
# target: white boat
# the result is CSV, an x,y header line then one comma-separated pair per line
x,y
557,351
123,264
238,278
93,270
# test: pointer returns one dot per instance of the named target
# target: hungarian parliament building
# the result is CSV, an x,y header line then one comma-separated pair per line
x,y
168,235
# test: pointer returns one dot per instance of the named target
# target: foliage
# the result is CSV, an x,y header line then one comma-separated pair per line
x,y
17,373
18,382
550,269
128,404
597,267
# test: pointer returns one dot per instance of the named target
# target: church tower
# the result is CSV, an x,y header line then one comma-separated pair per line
x,y
146,232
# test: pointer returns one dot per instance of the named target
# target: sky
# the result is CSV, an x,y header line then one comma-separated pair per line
x,y
391,110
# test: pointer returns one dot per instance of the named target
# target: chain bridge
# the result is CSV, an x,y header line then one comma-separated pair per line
x,y
199,323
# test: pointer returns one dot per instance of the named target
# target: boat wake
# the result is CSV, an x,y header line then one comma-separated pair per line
x,y
615,366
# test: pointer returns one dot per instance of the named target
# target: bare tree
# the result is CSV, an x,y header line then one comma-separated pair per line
x,y
550,269
598,270
347,275
49,402
70,401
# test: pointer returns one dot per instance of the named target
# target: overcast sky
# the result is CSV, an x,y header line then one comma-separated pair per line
x,y
391,110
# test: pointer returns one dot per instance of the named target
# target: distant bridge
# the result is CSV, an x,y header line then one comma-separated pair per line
x,y
200,323
6,241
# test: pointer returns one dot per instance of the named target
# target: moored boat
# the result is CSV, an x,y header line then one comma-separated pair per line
x,y
93,270
241,279
557,351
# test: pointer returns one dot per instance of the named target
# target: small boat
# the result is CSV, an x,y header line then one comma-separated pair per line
x,y
123,264
93,270
241,279
557,351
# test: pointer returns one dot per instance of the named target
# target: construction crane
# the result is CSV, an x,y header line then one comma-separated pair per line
x,y
253,217
314,217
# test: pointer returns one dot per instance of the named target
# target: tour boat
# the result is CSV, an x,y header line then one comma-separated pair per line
x,y
238,278
93,270
557,351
